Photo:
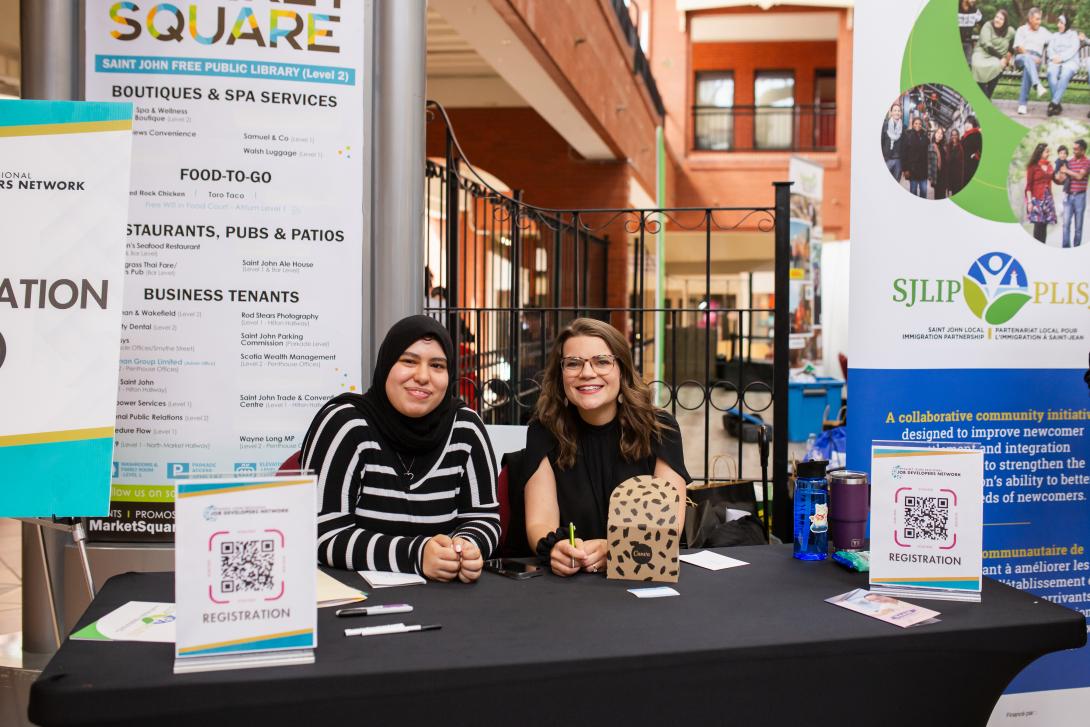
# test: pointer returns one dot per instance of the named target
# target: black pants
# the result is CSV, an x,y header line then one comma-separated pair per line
x,y
989,87
1040,231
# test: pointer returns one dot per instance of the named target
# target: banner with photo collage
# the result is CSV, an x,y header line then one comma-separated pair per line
x,y
807,193
970,294
243,298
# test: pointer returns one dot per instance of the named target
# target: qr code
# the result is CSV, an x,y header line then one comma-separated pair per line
x,y
247,565
926,518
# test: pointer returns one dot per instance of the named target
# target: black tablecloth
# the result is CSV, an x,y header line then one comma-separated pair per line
x,y
748,645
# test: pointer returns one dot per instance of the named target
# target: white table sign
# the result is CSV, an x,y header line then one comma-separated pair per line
x,y
927,514
244,573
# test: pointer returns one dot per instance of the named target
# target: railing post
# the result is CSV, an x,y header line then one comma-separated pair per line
x,y
558,261
781,505
603,299
515,355
452,254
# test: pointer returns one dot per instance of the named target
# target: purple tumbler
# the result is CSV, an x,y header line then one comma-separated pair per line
x,y
849,499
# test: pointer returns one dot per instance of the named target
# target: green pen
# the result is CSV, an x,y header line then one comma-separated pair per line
x,y
571,539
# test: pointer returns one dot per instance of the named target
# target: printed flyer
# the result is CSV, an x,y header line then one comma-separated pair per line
x,y
64,182
243,301
970,288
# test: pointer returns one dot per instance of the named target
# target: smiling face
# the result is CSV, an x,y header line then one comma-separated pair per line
x,y
418,380
1000,19
594,393
917,125
1034,20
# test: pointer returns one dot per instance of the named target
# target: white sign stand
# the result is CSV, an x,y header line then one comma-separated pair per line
x,y
244,572
927,520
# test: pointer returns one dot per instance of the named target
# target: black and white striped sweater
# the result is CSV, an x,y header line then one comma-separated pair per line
x,y
371,516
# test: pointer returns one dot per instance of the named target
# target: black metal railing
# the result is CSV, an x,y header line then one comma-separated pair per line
x,y
765,128
507,301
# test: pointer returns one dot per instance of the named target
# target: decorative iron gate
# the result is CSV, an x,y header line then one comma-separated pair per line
x,y
511,275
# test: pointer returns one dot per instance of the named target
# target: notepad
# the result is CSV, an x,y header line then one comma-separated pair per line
x,y
711,561
388,579
332,592
654,592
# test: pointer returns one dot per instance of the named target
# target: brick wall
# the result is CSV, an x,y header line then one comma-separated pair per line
x,y
520,148
745,178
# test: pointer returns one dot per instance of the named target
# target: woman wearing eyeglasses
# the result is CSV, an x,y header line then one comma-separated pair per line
x,y
594,427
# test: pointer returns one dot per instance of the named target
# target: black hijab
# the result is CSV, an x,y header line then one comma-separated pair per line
x,y
411,435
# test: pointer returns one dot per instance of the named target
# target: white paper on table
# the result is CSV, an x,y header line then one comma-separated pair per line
x,y
135,621
388,579
711,561
654,592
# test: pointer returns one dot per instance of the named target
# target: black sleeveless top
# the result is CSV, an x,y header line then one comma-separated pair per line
x,y
583,491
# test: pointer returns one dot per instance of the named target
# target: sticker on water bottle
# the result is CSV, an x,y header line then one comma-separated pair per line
x,y
819,521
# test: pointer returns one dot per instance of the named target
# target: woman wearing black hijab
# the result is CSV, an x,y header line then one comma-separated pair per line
x,y
406,473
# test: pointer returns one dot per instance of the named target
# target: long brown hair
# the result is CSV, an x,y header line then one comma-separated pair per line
x,y
635,411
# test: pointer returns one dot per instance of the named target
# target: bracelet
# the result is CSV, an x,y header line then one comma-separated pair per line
x,y
544,547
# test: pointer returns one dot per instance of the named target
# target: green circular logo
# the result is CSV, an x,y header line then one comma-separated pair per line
x,y
996,287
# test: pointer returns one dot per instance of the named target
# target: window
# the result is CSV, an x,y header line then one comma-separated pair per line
x,y
774,98
713,118
825,109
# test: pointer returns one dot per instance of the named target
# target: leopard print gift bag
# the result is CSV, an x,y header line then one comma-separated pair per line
x,y
643,530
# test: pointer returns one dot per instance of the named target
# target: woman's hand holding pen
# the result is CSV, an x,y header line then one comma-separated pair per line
x,y
566,559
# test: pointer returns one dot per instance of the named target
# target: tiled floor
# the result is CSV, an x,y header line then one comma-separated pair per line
x,y
11,582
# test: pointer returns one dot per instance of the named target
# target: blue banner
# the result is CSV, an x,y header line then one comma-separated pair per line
x,y
1036,481
225,68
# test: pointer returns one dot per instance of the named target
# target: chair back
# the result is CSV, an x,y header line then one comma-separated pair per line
x,y
292,463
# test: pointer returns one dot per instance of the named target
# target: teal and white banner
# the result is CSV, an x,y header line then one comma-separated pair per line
x,y
970,285
64,193
244,268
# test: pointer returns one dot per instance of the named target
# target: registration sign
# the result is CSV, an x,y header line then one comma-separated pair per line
x,y
244,572
927,520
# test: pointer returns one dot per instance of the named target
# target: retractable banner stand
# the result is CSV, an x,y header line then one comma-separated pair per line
x,y
64,187
970,294
244,257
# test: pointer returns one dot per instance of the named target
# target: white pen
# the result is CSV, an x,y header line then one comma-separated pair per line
x,y
375,610
390,629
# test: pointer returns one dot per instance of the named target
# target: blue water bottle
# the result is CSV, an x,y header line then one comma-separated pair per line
x,y
811,511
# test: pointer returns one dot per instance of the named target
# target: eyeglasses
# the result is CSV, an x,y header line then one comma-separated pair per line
x,y
573,365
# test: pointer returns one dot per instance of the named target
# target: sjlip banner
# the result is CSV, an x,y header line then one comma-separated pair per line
x,y
969,284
